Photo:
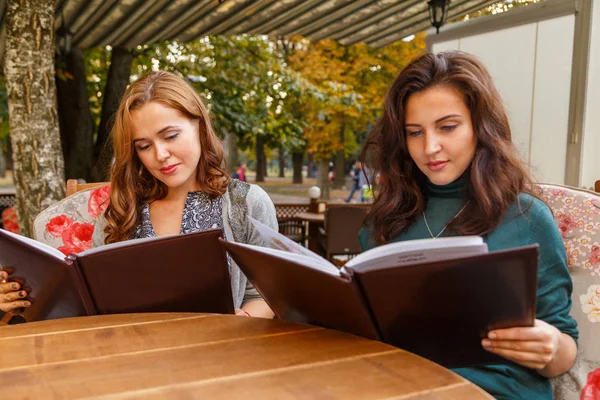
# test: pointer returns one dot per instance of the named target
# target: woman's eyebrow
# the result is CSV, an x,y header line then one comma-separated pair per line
x,y
437,121
446,117
166,128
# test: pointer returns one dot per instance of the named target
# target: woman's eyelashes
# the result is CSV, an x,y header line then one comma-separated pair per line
x,y
144,146
443,128
448,128
415,133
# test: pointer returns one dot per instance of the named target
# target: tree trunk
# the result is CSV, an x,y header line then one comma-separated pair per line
x,y
261,162
8,157
29,69
265,167
310,171
2,164
75,119
116,83
322,178
281,162
340,162
231,151
297,157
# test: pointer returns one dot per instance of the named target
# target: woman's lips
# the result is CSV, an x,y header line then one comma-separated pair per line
x,y
436,165
170,169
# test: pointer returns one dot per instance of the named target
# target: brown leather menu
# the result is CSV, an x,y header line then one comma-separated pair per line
x,y
180,273
439,309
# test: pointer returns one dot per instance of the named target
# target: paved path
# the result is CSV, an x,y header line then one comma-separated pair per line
x,y
284,198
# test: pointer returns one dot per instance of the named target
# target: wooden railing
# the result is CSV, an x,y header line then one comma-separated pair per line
x,y
285,211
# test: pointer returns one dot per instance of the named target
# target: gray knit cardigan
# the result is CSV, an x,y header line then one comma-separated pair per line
x,y
239,201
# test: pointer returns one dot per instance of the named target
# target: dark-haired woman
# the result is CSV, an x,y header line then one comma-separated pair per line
x,y
448,167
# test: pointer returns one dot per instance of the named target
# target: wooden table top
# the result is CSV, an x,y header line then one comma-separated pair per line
x,y
154,356
310,217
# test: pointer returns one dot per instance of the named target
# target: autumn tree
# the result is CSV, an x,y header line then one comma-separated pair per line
x,y
354,80
497,8
286,94
245,84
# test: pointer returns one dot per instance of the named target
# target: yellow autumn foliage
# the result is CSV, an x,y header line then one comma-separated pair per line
x,y
353,79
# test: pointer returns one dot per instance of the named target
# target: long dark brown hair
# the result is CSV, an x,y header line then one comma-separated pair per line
x,y
132,185
496,175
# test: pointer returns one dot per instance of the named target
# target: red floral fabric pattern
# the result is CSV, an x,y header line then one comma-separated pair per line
x,y
99,199
69,224
9,220
77,238
591,391
577,214
57,225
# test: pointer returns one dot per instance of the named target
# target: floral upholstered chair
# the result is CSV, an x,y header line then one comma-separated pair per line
x,y
9,220
68,225
577,214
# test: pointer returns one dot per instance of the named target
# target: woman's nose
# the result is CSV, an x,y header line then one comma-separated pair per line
x,y
162,152
432,143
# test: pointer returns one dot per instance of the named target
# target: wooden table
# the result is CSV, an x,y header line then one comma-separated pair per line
x,y
315,220
154,356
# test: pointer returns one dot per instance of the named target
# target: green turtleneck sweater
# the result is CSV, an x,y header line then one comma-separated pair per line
x,y
534,225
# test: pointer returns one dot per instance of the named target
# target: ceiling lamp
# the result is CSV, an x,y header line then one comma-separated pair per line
x,y
438,12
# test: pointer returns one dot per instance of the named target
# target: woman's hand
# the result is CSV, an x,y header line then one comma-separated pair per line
x,y
255,308
241,313
12,298
537,347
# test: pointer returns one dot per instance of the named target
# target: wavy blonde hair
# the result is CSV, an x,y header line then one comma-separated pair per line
x,y
132,185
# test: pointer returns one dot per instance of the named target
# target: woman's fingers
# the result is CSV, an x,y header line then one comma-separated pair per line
x,y
535,333
534,346
9,287
5,272
517,345
20,304
16,307
541,331
16,295
18,280
531,360
241,313
13,295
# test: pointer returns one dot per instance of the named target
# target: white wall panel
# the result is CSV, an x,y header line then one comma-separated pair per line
x,y
509,55
445,46
591,137
549,128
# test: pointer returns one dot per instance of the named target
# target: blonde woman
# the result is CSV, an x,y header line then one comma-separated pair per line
x,y
167,178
